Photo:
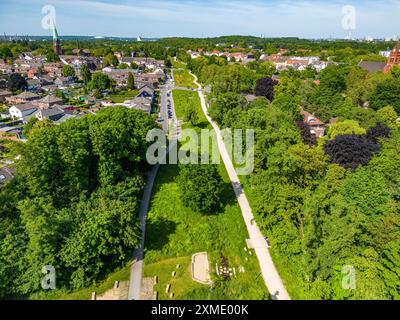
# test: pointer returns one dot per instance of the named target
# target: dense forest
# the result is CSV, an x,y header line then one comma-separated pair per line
x,y
73,203
324,204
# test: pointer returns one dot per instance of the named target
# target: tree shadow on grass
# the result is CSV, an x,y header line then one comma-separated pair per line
x,y
202,125
228,195
158,232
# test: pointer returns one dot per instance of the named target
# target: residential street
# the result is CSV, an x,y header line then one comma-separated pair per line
x,y
269,273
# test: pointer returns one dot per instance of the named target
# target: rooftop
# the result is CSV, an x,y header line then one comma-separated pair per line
x,y
372,66
27,95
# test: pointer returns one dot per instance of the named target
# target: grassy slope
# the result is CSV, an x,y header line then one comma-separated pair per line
x,y
184,79
178,64
175,232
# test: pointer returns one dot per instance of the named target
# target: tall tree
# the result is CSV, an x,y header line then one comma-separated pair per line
x,y
68,71
86,75
131,81
265,88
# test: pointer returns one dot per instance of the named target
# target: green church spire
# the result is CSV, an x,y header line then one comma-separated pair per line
x,y
55,33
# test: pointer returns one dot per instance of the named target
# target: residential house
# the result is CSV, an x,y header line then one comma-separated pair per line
x,y
48,101
26,56
317,127
33,73
145,80
372,66
4,94
139,103
53,69
6,174
236,56
120,76
11,133
34,85
130,61
146,92
5,115
64,81
194,54
23,111
119,55
23,97
148,63
54,113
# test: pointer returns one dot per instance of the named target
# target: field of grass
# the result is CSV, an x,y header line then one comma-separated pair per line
x,y
174,233
183,99
86,293
178,64
184,79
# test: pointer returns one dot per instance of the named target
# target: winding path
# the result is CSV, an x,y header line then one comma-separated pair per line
x,y
269,273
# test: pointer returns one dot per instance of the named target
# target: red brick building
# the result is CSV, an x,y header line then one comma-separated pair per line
x,y
394,58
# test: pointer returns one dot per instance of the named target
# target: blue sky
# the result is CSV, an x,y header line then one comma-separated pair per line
x,y
202,18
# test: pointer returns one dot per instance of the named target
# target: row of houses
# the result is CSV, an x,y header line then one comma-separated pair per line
x,y
231,56
298,63
142,62
281,61
27,105
150,79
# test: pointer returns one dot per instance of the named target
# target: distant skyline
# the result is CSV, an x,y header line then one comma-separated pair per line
x,y
202,18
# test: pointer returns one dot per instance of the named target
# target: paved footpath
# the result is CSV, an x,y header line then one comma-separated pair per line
x,y
269,273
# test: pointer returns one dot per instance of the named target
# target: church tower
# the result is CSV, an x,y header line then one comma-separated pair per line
x,y
56,41
394,58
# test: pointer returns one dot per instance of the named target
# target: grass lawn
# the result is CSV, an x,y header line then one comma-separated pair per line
x,y
86,293
178,64
120,97
183,99
174,233
184,79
